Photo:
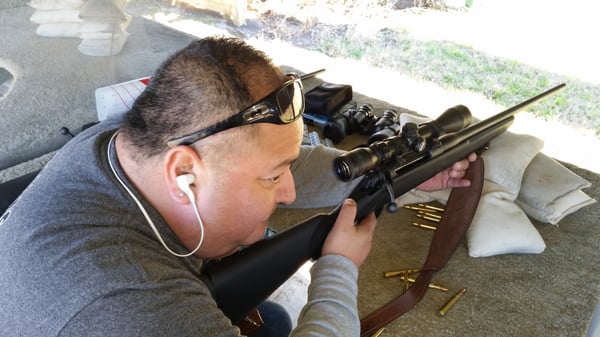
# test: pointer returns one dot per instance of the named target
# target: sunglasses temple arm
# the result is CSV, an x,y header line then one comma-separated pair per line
x,y
311,75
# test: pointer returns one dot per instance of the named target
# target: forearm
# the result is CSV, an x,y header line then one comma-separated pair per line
x,y
331,309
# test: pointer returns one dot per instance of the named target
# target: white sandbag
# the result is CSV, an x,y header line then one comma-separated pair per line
x,y
48,5
104,10
65,29
550,191
103,30
501,227
55,16
103,47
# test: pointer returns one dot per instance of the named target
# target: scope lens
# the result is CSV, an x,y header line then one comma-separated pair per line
x,y
342,169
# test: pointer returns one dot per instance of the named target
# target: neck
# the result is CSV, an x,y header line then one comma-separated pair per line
x,y
147,176
140,172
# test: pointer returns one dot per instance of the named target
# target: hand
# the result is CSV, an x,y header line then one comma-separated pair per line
x,y
450,177
350,240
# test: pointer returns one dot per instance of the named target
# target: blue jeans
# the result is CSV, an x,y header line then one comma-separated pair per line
x,y
277,322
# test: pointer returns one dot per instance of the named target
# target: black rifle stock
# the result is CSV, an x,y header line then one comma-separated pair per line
x,y
241,281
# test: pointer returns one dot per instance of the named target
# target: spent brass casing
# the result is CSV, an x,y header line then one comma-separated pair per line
x,y
405,278
430,285
378,332
444,309
424,226
428,218
415,208
439,209
430,214
395,273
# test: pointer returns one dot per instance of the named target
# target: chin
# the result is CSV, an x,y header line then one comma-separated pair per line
x,y
250,242
255,237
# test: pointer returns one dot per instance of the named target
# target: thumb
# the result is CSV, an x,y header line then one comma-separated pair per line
x,y
348,212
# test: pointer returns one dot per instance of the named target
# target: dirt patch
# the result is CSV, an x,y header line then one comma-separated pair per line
x,y
309,26
305,24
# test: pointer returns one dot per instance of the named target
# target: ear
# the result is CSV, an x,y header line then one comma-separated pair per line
x,y
178,161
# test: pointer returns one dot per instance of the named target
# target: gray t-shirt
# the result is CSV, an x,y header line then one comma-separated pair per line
x,y
77,258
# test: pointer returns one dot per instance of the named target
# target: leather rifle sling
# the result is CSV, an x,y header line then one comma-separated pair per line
x,y
458,214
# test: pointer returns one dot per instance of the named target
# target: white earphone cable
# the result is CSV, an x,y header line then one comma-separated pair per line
x,y
145,213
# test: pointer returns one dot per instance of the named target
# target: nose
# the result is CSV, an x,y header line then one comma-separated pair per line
x,y
286,191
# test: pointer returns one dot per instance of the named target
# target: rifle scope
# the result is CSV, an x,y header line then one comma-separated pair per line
x,y
357,162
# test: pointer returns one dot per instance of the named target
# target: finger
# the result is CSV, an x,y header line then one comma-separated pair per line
x,y
459,182
465,163
368,223
348,214
456,174
472,157
460,165
348,211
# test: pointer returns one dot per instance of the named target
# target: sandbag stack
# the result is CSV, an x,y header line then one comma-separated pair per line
x,y
100,24
521,183
104,29
57,18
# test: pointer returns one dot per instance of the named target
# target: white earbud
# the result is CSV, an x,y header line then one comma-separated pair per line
x,y
183,182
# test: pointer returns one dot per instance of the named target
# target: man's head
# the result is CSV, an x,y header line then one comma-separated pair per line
x,y
200,85
241,172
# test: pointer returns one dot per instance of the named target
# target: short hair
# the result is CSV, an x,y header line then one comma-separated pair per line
x,y
205,82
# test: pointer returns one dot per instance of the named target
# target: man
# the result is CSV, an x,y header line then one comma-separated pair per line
x,y
110,238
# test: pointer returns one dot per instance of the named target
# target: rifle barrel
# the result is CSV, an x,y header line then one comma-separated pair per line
x,y
525,104
505,117
311,74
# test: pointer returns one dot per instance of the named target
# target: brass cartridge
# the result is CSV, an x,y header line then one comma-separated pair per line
x,y
433,215
431,285
438,209
400,272
424,226
378,332
444,309
428,218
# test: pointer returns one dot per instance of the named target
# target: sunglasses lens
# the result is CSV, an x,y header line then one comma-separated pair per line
x,y
291,102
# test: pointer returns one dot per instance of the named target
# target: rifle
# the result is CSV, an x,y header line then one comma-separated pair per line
x,y
388,167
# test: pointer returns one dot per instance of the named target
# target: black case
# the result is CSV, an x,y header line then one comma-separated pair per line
x,y
327,98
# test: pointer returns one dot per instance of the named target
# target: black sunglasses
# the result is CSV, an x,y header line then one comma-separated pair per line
x,y
282,106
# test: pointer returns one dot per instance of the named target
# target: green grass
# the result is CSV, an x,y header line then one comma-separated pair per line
x,y
506,82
